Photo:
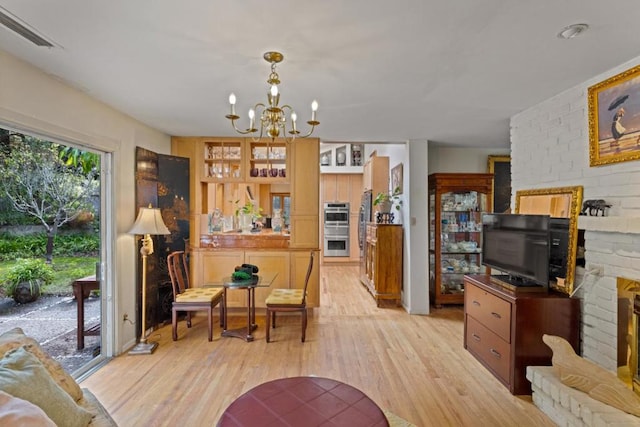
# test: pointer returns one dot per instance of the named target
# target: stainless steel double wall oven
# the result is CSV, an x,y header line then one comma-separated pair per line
x,y
336,229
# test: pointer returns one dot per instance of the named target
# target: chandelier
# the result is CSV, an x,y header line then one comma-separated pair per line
x,y
272,116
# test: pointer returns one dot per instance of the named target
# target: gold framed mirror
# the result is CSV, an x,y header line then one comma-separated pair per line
x,y
559,202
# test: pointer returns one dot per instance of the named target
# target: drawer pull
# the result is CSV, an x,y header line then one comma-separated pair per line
x,y
476,337
496,354
476,303
496,315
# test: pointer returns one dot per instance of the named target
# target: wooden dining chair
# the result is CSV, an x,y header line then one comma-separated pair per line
x,y
189,299
283,300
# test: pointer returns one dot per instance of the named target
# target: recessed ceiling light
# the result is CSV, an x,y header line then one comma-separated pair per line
x,y
572,31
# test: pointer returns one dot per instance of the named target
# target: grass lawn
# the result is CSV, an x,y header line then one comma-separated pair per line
x,y
65,269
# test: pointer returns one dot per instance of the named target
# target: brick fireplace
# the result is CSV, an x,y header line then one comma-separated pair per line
x,y
612,256
628,312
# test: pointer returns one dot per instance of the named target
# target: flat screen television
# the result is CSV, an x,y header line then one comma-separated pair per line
x,y
517,245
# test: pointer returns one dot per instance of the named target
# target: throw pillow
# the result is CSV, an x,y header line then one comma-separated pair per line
x,y
23,376
18,412
586,376
16,338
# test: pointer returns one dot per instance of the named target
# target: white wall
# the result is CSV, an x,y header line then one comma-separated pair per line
x,y
35,103
416,217
550,148
467,160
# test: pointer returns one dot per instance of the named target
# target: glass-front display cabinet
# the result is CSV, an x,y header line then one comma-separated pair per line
x,y
456,204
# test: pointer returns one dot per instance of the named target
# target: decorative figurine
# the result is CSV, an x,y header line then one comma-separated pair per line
x,y
594,206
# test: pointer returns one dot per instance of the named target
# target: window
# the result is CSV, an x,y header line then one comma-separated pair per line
x,y
281,201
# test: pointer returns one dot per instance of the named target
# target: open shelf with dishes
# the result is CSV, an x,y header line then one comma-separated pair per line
x,y
267,160
341,158
223,160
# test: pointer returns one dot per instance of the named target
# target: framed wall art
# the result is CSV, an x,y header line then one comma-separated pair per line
x,y
614,119
500,167
396,178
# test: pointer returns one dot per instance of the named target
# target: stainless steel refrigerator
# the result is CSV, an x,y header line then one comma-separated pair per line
x,y
364,216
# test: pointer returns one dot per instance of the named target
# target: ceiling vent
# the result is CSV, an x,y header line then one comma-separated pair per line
x,y
12,23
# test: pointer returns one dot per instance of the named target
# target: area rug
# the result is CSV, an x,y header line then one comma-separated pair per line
x,y
396,421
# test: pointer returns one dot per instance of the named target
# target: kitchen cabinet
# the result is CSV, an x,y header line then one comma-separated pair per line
x,y
305,194
503,328
375,175
456,204
383,262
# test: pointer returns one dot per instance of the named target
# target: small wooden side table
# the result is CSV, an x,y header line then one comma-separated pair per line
x,y
81,290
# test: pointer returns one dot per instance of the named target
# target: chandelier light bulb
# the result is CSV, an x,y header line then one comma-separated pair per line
x,y
314,106
294,116
252,115
232,102
274,90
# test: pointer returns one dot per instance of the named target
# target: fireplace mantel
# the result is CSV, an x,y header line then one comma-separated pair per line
x,y
611,224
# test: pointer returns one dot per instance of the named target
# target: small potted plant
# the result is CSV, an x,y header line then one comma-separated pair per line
x,y
387,200
24,281
247,214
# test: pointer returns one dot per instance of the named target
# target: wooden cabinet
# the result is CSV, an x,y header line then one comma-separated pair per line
x,y
270,263
223,170
375,175
305,194
503,329
212,266
456,204
383,262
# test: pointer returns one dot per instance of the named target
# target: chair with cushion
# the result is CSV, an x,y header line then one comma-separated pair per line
x,y
189,299
289,300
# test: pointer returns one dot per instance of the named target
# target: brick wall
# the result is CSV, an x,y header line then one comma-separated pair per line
x,y
550,148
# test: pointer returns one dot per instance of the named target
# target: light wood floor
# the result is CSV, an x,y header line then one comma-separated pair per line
x,y
414,366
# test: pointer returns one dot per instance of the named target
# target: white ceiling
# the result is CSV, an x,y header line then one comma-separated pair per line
x,y
452,72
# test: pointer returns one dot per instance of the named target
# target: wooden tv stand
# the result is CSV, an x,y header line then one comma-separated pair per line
x,y
503,328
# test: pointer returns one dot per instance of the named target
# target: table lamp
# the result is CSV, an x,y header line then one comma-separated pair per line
x,y
148,222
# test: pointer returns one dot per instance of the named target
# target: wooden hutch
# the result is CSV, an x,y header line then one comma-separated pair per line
x,y
225,174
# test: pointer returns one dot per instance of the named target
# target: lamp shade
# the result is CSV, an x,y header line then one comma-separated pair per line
x,y
149,221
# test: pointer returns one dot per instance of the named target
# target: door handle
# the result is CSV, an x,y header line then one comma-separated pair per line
x,y
496,353
496,315
476,337
476,303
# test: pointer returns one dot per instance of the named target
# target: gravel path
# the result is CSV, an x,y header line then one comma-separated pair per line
x,y
51,320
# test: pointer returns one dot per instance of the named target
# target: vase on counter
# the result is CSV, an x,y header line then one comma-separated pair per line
x,y
276,221
246,222
215,223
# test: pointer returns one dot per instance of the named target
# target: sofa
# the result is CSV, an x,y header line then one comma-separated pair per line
x,y
36,391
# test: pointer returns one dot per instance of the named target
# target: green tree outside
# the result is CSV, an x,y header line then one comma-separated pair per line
x,y
47,181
